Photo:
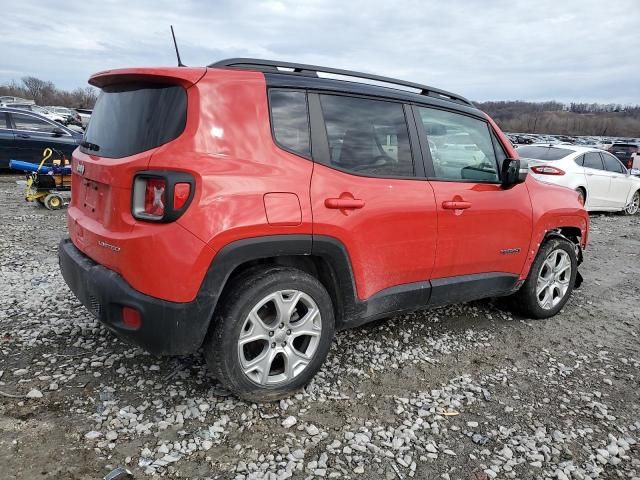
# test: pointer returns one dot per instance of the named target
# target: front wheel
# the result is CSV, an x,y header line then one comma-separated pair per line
x,y
550,281
634,205
272,333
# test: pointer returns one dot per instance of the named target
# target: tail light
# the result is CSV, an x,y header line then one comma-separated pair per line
x,y
546,170
161,196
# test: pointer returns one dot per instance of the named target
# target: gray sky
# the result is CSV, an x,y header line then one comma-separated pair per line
x,y
586,50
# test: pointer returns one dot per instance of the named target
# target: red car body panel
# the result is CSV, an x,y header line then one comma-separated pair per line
x,y
248,187
474,240
391,240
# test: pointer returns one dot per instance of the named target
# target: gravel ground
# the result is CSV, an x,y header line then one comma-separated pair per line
x,y
463,392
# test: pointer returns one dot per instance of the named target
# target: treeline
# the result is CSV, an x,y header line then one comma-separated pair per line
x,y
566,119
47,94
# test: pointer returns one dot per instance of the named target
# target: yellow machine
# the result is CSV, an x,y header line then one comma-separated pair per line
x,y
49,185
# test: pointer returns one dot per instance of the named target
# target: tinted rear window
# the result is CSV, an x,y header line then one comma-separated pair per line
x,y
543,153
134,117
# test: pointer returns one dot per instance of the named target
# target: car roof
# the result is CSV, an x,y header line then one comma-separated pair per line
x,y
296,75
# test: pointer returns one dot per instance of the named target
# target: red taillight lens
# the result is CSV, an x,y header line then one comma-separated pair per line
x,y
181,193
161,196
131,318
545,170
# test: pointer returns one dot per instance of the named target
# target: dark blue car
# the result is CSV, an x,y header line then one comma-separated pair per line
x,y
24,135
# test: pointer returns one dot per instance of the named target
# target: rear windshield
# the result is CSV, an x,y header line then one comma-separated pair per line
x,y
133,117
543,153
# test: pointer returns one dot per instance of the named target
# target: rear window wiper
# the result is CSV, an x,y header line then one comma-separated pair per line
x,y
91,146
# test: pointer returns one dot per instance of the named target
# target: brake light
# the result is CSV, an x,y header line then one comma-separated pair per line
x,y
181,193
546,170
161,196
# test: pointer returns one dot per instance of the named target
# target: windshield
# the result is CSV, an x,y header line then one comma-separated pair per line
x,y
543,153
134,117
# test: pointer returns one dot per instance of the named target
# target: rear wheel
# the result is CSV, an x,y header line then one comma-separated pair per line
x,y
634,205
550,281
272,333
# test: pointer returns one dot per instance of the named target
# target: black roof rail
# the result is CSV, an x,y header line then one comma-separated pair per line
x,y
312,70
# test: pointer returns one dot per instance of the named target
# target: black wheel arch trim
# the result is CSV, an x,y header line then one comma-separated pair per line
x,y
350,310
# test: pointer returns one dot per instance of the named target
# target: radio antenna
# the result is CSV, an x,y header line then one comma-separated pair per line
x,y
175,44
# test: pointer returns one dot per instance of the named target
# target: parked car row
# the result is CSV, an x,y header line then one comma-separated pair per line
x,y
626,149
76,119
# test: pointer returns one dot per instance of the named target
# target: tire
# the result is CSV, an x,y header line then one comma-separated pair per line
x,y
532,303
270,342
634,204
582,195
53,201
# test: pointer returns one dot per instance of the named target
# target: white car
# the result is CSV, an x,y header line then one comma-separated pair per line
x,y
600,178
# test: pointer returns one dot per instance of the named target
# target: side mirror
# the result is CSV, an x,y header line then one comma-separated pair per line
x,y
58,132
513,172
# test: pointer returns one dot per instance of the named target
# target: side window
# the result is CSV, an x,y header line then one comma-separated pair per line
x,y
612,164
4,121
593,160
33,124
290,121
461,147
367,136
579,160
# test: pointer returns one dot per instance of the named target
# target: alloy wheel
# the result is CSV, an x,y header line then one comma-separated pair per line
x,y
553,279
634,204
279,337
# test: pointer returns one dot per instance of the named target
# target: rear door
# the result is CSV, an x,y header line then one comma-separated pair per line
x,y
619,185
369,192
7,141
482,227
598,181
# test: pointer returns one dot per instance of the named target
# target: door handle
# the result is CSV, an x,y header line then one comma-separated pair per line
x,y
23,135
456,205
344,203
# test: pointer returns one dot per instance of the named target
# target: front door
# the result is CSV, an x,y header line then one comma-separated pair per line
x,y
34,134
367,193
482,227
619,185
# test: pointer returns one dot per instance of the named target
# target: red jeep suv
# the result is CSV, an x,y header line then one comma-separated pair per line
x,y
252,208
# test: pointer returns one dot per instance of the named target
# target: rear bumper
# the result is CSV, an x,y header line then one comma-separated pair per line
x,y
168,328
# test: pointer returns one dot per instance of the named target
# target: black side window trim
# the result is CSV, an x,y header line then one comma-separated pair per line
x,y
320,139
272,125
426,151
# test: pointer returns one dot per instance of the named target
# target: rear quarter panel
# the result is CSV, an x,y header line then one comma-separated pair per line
x,y
239,169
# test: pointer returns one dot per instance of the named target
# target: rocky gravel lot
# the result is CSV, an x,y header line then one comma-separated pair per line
x,y
463,392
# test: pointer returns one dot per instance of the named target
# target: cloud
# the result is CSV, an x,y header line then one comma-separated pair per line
x,y
571,50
